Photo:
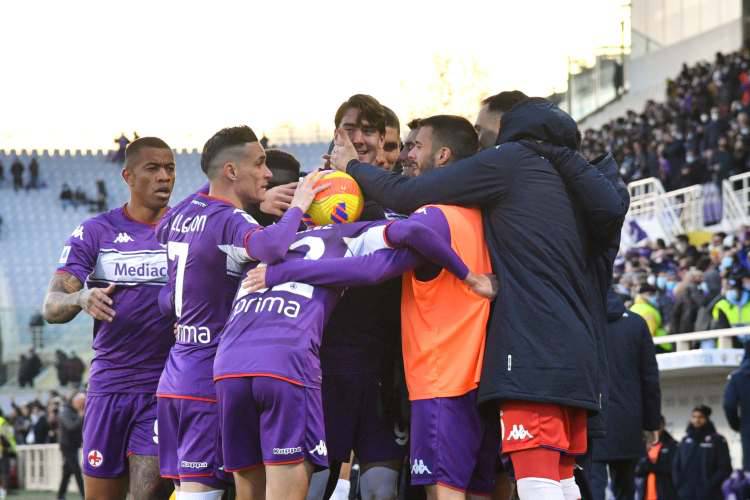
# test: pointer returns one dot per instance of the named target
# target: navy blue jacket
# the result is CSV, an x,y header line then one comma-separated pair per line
x,y
737,403
701,465
548,322
634,394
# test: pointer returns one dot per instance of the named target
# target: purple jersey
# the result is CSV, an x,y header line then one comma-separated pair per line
x,y
129,352
208,242
277,332
205,239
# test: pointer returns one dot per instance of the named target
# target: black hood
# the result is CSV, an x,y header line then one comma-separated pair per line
x,y
539,119
615,306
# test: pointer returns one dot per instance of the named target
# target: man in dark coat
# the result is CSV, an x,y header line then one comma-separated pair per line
x,y
656,466
71,437
737,405
634,401
702,462
545,336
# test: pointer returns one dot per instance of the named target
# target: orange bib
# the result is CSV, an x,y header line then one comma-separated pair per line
x,y
444,323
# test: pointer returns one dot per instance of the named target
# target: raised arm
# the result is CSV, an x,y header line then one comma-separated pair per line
x,y
271,243
477,180
597,188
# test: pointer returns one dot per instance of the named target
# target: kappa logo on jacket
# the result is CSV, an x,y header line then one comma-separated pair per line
x,y
519,433
418,467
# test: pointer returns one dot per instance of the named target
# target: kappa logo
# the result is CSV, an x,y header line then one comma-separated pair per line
x,y
78,233
418,467
95,458
320,449
519,432
123,238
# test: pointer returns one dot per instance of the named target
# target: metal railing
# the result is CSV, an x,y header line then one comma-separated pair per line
x,y
723,337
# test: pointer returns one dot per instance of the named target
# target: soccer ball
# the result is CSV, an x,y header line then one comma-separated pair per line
x,y
342,202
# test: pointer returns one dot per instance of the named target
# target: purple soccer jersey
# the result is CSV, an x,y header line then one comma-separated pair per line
x,y
207,242
277,332
129,352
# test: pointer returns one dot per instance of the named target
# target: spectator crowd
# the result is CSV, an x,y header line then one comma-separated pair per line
x,y
699,135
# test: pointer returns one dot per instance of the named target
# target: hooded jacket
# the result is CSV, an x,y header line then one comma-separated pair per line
x,y
702,464
545,332
634,401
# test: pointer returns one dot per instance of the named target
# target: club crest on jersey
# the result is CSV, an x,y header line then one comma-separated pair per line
x,y
95,458
78,233
123,238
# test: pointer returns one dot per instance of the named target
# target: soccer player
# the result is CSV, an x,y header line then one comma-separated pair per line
x,y
491,113
360,344
208,238
541,366
441,140
267,366
124,268
407,165
391,141
440,323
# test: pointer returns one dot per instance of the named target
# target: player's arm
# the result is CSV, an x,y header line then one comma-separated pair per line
x,y
426,231
364,270
477,180
271,243
598,192
66,297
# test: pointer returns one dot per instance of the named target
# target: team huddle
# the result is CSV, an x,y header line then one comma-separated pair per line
x,y
236,342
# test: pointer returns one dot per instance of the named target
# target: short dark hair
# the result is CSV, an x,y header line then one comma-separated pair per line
x,y
224,139
140,144
391,120
504,101
414,123
453,132
369,108
278,160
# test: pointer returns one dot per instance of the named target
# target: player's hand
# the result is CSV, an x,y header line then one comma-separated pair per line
x,y
557,155
343,151
278,199
484,285
175,329
97,301
255,279
306,190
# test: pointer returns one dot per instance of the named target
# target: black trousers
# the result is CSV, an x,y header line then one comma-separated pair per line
x,y
623,479
71,467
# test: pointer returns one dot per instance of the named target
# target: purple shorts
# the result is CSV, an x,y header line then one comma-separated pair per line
x,y
270,421
354,421
189,447
116,426
454,444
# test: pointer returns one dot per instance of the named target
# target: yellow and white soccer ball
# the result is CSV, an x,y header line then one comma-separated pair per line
x,y
340,203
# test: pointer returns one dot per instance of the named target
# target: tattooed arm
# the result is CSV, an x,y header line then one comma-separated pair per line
x,y
66,297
